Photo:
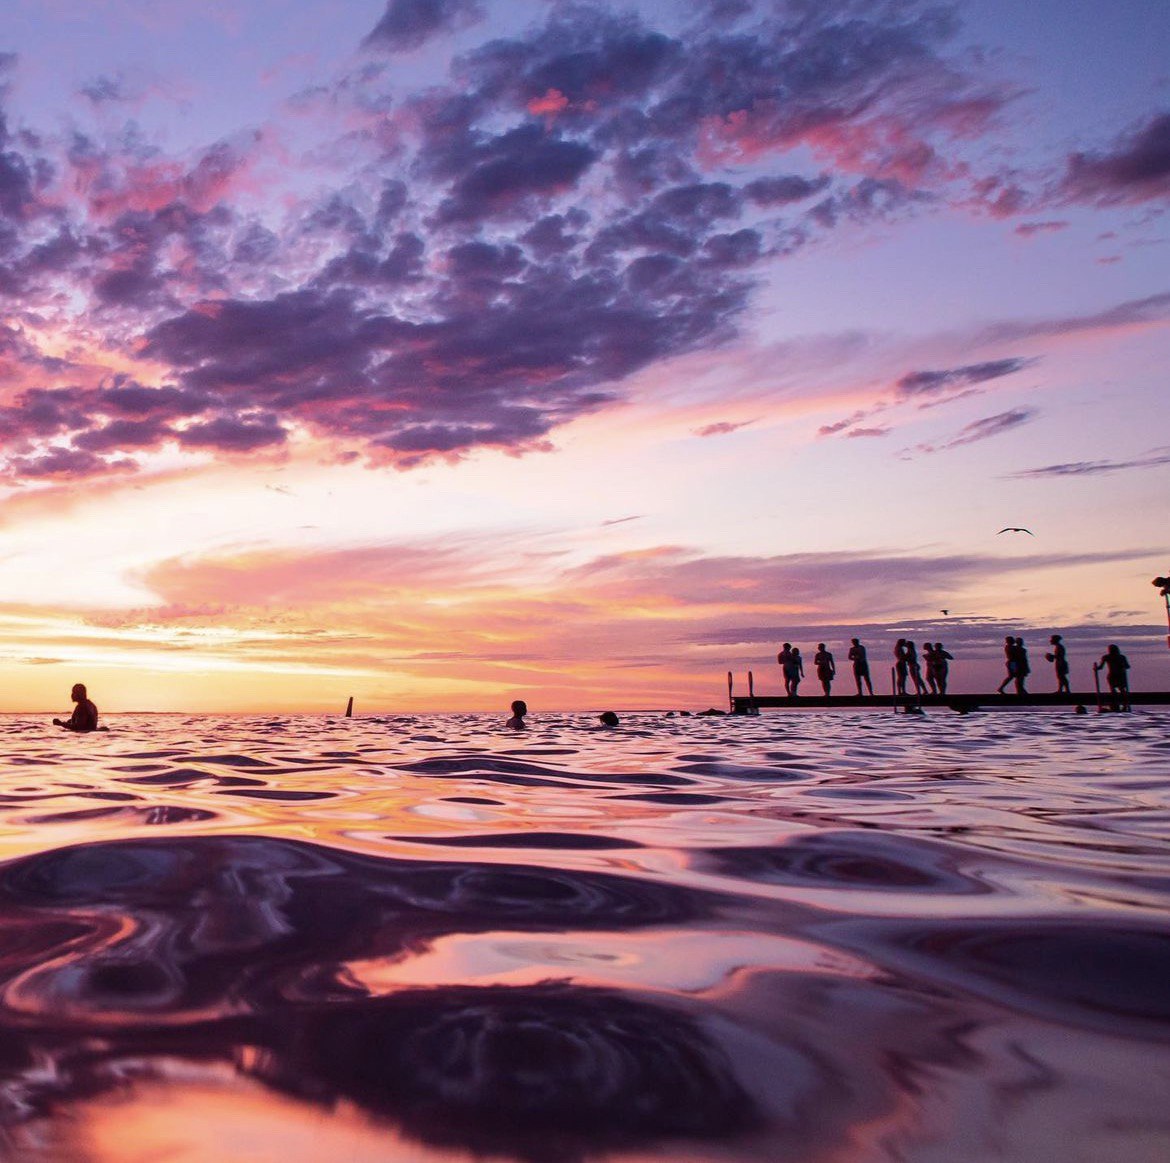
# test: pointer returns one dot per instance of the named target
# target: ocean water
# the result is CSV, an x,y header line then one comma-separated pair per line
x,y
815,936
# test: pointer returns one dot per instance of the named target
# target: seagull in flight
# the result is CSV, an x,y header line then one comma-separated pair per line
x,y
944,611
1016,529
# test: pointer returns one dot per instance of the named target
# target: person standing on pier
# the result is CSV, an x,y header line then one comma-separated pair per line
x,y
930,673
940,658
826,667
1058,656
784,659
1116,667
860,660
914,669
794,671
901,666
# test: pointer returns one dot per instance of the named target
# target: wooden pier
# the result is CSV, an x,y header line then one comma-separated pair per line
x,y
744,704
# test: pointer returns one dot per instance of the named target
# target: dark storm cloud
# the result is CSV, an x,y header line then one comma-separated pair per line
x,y
409,24
1137,169
922,383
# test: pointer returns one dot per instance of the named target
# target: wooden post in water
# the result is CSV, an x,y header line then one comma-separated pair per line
x,y
349,708
730,699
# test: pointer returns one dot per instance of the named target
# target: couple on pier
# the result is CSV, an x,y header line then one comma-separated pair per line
x,y
792,668
908,668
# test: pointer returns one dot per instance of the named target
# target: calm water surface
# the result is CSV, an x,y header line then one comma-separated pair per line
x,y
800,937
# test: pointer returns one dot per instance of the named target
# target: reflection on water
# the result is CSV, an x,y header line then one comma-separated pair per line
x,y
838,937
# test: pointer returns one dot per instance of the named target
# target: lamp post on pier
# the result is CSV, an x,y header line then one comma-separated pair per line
x,y
1163,584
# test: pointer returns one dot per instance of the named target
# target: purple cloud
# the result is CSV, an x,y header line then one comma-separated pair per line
x,y
496,253
990,426
409,24
924,383
722,428
1137,169
1078,468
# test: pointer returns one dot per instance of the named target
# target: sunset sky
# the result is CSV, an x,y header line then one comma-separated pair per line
x,y
448,351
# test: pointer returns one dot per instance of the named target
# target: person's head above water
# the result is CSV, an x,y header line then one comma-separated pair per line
x,y
519,707
78,693
608,719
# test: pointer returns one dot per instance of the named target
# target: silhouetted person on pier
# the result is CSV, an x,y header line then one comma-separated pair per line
x,y
794,672
1116,667
1009,658
1022,668
937,668
85,714
860,660
519,710
929,673
826,667
901,666
784,659
1058,656
914,668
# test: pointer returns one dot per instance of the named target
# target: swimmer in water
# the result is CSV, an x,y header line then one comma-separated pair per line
x,y
85,714
519,710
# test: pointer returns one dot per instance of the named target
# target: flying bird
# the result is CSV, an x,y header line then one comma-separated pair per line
x,y
944,611
1016,529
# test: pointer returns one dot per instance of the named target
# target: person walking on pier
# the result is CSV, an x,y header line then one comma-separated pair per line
x,y
1022,667
826,667
1009,658
860,660
937,668
1058,656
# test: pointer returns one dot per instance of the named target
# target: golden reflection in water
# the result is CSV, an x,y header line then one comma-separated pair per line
x,y
213,1115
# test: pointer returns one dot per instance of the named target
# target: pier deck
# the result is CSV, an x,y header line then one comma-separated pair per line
x,y
741,704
